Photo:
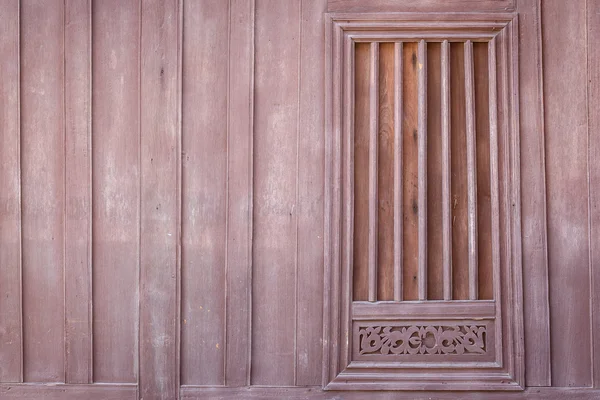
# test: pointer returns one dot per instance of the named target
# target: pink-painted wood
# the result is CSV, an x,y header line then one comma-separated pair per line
x,y
239,197
115,189
398,107
43,190
386,6
160,147
446,172
565,111
593,97
78,196
11,344
373,164
68,392
277,55
534,199
422,163
204,215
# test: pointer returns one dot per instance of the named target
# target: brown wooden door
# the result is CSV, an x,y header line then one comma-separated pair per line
x,y
299,199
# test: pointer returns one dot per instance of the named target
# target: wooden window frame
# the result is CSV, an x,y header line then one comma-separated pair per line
x,y
504,370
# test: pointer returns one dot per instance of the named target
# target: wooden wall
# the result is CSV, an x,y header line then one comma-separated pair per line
x,y
162,191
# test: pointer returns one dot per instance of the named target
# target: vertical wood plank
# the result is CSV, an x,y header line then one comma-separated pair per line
x,y
460,245
43,154
446,173
204,186
398,135
311,145
116,188
373,194
385,174
593,68
410,172
494,155
566,168
471,171
422,162
160,160
11,345
434,174
275,208
239,213
534,203
361,138
78,196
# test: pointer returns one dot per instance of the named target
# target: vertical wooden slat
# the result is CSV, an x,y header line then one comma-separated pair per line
x,y
275,211
471,171
42,157
494,182
115,185
398,116
239,247
593,37
159,199
565,120
204,197
78,222
422,162
373,198
446,174
310,196
11,344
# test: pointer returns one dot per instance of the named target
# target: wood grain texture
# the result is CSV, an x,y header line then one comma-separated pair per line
x,y
275,209
458,144
593,96
372,168
398,137
361,172
43,190
422,165
410,171
386,6
78,196
116,188
311,158
446,171
385,174
68,392
567,180
11,344
239,197
434,182
533,175
204,191
159,203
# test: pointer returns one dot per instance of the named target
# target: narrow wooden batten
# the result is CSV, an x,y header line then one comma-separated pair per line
x,y
373,195
471,171
495,204
446,174
398,285
422,162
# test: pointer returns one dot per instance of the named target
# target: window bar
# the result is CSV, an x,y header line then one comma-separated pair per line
x,y
373,197
422,163
494,156
398,50
471,171
446,175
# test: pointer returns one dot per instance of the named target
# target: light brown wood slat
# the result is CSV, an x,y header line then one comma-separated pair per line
x,y
458,162
310,194
275,173
361,172
115,188
471,171
385,174
410,171
398,116
239,213
593,37
494,176
483,168
446,173
204,191
387,6
43,190
422,175
160,206
11,345
433,183
68,392
78,175
388,310
565,117
373,192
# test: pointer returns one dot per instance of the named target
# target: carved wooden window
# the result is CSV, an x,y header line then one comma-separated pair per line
x,y
423,270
